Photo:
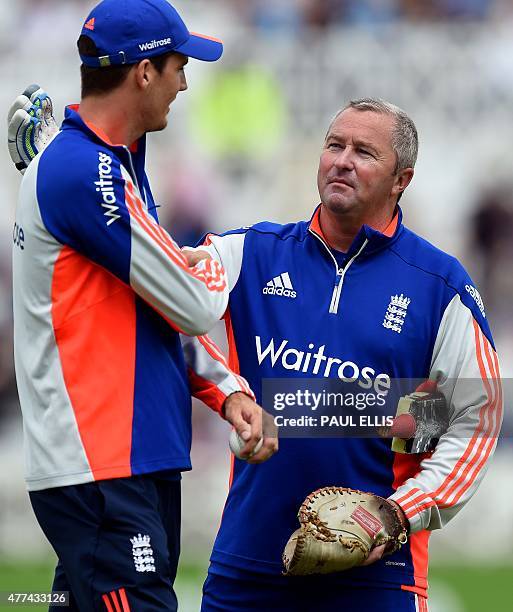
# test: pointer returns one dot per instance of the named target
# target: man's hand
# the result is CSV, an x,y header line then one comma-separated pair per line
x,y
248,419
31,126
194,256
371,524
378,551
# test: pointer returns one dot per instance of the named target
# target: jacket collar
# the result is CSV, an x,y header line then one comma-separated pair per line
x,y
72,120
376,240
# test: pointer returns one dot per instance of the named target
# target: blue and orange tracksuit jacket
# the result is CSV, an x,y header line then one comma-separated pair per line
x,y
297,311
108,318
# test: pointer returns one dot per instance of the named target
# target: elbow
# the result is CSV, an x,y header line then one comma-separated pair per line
x,y
199,328
203,318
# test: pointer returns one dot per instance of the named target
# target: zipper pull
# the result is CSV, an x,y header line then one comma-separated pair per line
x,y
336,292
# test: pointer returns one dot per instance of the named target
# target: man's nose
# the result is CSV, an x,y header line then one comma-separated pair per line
x,y
344,159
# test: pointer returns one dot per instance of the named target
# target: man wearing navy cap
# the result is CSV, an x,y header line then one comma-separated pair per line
x,y
109,318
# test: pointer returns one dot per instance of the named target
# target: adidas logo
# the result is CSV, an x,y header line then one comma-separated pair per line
x,y
280,285
90,24
476,296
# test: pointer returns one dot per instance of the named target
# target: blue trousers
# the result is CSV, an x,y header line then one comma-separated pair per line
x,y
222,594
117,542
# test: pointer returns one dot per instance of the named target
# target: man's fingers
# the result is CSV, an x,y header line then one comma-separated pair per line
x,y
252,446
253,429
246,417
269,426
264,426
193,257
375,555
270,443
242,428
245,433
269,447
251,424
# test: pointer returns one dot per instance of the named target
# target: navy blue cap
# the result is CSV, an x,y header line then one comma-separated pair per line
x,y
128,31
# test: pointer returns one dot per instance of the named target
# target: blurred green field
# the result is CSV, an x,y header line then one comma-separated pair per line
x,y
453,589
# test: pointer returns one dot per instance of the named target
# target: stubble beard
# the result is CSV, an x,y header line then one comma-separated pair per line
x,y
158,127
339,204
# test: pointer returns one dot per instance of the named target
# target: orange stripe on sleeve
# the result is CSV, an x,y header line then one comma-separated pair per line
x,y
486,411
459,464
418,509
487,441
206,391
413,503
403,498
213,350
212,275
136,209
167,246
472,442
486,426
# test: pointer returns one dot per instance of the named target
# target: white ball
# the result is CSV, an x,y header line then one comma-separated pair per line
x,y
237,444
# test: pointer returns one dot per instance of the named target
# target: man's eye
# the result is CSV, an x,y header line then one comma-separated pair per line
x,y
365,152
334,145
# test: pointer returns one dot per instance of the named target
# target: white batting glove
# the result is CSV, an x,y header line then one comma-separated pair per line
x,y
31,126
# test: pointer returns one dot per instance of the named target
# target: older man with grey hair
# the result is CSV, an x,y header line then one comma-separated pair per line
x,y
353,295
405,140
350,295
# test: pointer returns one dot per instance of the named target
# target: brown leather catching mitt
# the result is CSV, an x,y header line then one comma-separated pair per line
x,y
339,528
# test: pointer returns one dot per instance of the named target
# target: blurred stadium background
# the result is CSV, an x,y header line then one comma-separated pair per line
x,y
242,146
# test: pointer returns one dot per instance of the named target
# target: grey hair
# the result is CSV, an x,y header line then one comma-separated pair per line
x,y
405,139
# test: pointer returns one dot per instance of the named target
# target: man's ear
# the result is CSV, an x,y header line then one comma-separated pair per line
x,y
402,180
143,72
